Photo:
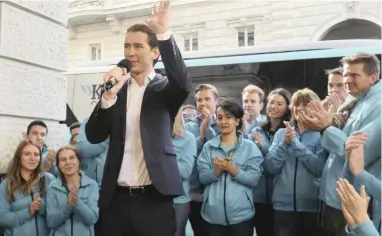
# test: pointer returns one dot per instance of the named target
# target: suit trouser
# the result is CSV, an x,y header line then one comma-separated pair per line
x,y
147,214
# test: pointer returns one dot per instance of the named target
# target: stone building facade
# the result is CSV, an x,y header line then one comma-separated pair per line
x,y
33,55
97,27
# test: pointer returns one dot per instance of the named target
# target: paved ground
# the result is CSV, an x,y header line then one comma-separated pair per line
x,y
190,233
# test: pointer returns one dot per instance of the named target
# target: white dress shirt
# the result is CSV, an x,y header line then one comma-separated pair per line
x,y
133,170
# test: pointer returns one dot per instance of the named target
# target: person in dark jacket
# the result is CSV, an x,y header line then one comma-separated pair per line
x,y
141,175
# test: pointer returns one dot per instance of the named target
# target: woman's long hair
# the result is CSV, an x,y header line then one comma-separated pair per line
x,y
178,129
16,182
62,177
266,125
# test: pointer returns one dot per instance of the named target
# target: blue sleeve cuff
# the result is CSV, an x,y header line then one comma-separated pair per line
x,y
333,140
239,176
265,149
295,144
199,144
213,176
210,134
26,215
362,178
366,229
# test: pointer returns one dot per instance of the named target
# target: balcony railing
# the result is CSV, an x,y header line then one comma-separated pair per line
x,y
86,4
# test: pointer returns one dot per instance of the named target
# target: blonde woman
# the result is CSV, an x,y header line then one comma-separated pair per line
x,y
185,147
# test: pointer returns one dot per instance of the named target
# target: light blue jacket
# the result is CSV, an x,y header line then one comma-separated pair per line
x,y
93,155
365,229
194,128
264,189
372,183
185,148
256,123
297,168
228,200
366,116
79,219
15,216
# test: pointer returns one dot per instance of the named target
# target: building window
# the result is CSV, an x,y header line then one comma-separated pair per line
x,y
95,52
246,36
191,42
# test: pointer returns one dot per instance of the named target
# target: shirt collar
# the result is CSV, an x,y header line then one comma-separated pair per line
x,y
148,78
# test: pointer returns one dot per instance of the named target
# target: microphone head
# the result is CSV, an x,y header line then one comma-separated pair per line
x,y
125,64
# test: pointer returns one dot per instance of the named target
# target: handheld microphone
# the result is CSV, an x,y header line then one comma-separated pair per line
x,y
122,64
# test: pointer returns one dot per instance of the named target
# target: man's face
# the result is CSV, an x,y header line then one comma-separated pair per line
x,y
336,85
37,135
139,52
252,105
205,99
357,82
75,131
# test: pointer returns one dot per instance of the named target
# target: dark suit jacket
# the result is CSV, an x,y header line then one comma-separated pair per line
x,y
161,101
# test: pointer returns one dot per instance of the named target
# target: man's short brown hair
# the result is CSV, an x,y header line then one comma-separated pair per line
x,y
370,62
202,87
188,106
74,126
335,71
254,89
151,36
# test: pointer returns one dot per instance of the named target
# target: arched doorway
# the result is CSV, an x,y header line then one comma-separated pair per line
x,y
353,29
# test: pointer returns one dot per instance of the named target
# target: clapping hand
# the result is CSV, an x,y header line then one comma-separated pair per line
x,y
35,205
355,152
332,100
73,196
206,117
258,138
225,164
49,160
318,119
354,205
290,133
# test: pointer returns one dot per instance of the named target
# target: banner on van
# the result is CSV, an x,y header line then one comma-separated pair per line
x,y
93,92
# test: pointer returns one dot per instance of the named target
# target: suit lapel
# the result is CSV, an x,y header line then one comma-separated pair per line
x,y
124,93
153,82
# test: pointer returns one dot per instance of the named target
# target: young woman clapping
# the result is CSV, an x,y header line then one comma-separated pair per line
x,y
72,199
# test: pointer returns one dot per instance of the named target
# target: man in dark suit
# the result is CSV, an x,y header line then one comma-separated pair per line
x,y
141,175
